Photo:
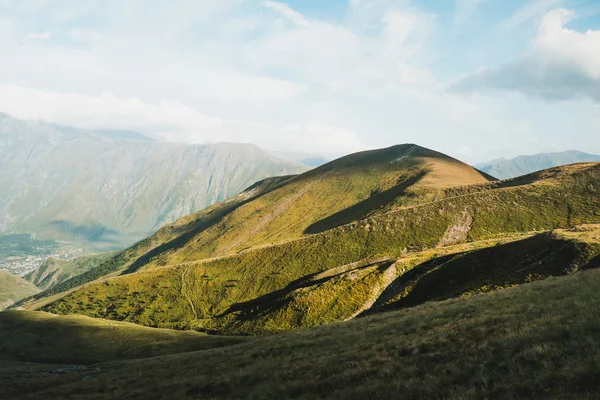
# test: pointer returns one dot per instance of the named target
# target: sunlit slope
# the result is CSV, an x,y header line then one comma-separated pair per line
x,y
13,289
348,189
279,209
535,341
198,294
344,293
176,234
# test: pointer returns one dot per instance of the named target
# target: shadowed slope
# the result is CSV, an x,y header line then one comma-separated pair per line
x,y
42,337
490,269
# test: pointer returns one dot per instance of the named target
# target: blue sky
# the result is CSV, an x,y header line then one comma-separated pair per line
x,y
477,79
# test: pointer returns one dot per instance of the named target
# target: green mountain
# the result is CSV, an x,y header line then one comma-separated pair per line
x,y
523,165
107,190
13,289
359,234
287,208
535,341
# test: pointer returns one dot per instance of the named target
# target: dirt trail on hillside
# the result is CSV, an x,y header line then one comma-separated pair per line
x,y
184,292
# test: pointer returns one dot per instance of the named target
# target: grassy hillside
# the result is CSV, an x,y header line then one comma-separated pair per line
x,y
201,294
536,341
374,285
280,209
13,289
334,194
54,271
46,338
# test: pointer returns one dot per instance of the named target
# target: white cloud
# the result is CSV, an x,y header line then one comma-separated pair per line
x,y
85,35
168,120
39,35
339,58
292,15
263,72
561,64
529,11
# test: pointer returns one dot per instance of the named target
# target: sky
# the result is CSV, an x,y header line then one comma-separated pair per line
x,y
476,79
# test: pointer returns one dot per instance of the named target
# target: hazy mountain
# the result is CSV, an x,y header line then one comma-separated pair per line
x,y
523,165
112,188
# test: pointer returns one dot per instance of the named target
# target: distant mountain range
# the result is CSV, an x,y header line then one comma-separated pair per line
x,y
109,189
505,169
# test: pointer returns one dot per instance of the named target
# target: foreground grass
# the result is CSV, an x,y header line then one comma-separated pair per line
x,y
42,337
537,341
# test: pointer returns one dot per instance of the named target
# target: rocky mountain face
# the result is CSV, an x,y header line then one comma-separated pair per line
x,y
523,165
107,190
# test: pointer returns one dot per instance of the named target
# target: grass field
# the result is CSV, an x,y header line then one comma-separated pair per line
x,y
41,337
535,341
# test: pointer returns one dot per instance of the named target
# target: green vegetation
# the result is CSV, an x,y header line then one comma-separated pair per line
x,y
489,269
13,289
407,249
279,209
201,294
538,341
